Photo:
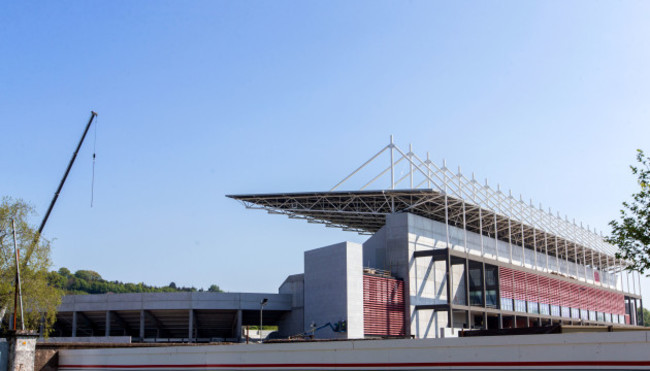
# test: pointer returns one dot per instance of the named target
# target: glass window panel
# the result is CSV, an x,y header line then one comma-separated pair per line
x,y
566,312
506,304
544,309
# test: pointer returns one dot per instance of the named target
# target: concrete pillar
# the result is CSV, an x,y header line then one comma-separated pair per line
x,y
190,331
238,325
22,350
450,299
74,323
108,323
466,276
483,285
142,322
500,321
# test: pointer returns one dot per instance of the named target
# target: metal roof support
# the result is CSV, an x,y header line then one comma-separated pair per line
x,y
556,244
593,268
566,251
535,249
428,171
575,256
366,163
410,154
545,241
510,225
392,164
480,217
584,263
600,269
447,217
523,243
464,224
459,199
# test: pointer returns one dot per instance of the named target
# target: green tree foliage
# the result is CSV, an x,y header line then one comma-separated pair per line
x,y
632,232
646,317
40,299
88,275
91,282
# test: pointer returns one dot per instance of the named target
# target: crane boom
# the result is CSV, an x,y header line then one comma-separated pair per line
x,y
93,114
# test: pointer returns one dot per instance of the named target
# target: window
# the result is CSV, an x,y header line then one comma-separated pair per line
x,y
506,304
520,306
566,312
544,309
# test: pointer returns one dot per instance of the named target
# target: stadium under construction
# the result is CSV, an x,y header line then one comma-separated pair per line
x,y
445,253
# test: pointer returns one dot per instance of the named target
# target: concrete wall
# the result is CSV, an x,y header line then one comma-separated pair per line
x,y
425,281
605,350
292,323
428,323
333,289
172,301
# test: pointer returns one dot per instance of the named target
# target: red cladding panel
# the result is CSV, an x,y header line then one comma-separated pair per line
x,y
505,283
518,285
383,306
532,285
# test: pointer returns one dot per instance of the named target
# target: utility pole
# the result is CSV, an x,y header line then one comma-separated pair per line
x,y
17,290
262,304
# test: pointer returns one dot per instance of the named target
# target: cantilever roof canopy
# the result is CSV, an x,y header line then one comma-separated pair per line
x,y
365,212
439,194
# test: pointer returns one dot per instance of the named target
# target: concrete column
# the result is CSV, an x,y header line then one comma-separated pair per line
x,y
238,325
450,301
22,350
190,326
142,322
74,324
483,287
500,321
467,290
108,323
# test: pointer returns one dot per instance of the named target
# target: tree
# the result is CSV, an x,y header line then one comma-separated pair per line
x,y
40,299
214,288
632,232
88,275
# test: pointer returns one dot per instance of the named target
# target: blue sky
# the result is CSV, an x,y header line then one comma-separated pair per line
x,y
197,100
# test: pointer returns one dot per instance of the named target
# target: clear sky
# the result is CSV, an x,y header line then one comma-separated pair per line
x,y
197,100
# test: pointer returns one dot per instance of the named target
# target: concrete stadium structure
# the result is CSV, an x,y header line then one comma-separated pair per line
x,y
445,253
166,317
